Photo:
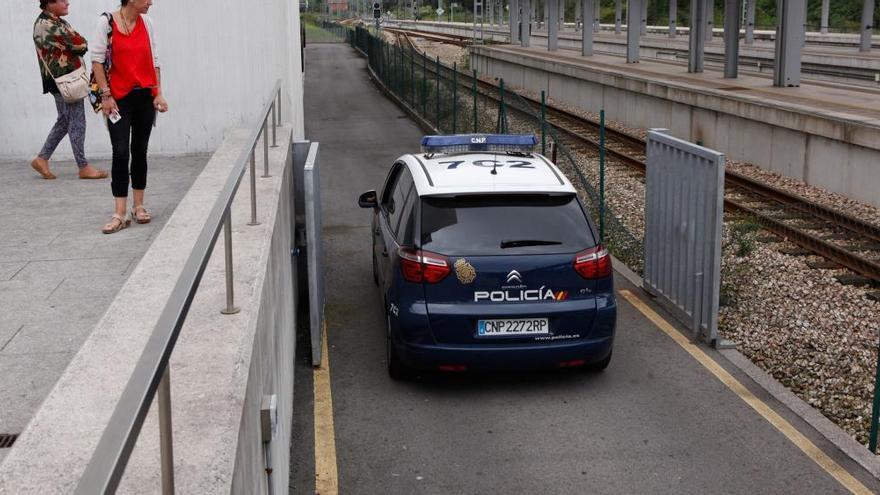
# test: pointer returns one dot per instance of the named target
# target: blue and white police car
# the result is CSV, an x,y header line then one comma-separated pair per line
x,y
486,259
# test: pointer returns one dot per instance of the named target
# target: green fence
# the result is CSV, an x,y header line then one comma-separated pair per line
x,y
451,100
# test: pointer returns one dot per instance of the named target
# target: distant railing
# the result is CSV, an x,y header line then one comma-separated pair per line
x,y
151,373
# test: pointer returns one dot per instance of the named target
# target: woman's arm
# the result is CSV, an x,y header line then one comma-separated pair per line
x,y
74,41
108,104
159,101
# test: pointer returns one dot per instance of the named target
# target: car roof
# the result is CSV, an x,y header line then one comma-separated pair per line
x,y
471,173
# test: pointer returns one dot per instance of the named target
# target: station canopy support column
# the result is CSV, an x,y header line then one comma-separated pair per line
x,y
710,19
697,36
561,15
867,25
618,16
823,23
732,11
525,8
513,18
589,10
633,19
673,17
790,20
750,21
553,25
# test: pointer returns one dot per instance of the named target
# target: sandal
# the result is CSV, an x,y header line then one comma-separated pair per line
x,y
140,214
117,223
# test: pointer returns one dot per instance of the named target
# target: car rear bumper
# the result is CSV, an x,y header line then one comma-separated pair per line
x,y
519,356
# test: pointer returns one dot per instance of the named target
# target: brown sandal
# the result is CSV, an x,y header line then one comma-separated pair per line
x,y
117,223
140,214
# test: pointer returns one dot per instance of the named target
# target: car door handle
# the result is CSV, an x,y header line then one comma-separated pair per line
x,y
384,252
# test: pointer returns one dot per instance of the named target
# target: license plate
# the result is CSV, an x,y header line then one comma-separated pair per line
x,y
524,326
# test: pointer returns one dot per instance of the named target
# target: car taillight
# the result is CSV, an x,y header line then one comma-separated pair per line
x,y
593,263
422,266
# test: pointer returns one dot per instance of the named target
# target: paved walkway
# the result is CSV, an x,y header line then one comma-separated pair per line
x,y
59,273
657,421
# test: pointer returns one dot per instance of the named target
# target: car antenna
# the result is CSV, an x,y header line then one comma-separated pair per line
x,y
494,164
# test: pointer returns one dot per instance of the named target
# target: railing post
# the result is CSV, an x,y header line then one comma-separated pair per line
x,y
274,126
253,188
166,444
425,86
266,148
279,105
227,248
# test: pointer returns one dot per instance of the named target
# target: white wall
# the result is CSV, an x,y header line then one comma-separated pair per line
x,y
220,59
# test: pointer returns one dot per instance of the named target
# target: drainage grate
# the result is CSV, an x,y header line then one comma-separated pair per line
x,y
6,440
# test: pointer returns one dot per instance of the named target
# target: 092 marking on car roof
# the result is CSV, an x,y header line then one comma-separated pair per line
x,y
454,164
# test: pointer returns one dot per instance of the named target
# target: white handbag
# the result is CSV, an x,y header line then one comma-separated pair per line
x,y
73,86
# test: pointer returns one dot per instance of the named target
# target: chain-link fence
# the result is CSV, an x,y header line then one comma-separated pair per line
x,y
451,100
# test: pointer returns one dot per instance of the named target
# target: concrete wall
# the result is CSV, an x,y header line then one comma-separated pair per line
x,y
219,61
220,369
817,146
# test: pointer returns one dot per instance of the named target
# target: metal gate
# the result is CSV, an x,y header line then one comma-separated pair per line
x,y
307,185
684,213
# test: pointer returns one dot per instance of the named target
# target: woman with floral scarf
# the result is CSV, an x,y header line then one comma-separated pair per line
x,y
59,52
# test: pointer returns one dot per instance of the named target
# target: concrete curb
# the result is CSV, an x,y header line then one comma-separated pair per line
x,y
824,426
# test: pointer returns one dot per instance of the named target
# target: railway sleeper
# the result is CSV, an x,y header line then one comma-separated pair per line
x,y
856,280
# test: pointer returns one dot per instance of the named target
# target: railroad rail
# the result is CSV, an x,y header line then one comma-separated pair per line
x,y
814,227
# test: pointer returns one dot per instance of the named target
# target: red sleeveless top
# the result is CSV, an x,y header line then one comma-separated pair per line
x,y
132,65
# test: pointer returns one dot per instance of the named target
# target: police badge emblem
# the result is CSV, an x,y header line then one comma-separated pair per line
x,y
465,271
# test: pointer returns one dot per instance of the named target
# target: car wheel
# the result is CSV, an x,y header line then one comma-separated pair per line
x,y
599,366
396,369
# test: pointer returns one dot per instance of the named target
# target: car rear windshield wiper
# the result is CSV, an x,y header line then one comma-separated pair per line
x,y
527,242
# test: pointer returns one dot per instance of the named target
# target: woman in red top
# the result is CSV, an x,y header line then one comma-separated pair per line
x,y
129,101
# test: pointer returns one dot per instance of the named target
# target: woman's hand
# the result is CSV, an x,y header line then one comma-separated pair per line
x,y
160,104
108,105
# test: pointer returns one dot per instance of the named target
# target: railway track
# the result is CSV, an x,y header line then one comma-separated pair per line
x,y
845,241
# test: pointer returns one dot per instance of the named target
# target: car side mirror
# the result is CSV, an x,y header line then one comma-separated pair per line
x,y
368,200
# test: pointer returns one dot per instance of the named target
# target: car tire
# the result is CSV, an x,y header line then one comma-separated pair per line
x,y
599,366
396,369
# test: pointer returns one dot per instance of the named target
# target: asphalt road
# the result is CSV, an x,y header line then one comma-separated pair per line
x,y
656,421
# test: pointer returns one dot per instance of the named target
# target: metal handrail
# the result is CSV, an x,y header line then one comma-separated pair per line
x,y
151,373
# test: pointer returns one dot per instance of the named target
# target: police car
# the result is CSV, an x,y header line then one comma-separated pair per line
x,y
486,259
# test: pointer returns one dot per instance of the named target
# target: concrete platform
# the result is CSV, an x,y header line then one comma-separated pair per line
x,y
655,421
59,273
827,136
834,62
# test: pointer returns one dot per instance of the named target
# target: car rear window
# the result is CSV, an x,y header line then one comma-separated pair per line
x,y
504,224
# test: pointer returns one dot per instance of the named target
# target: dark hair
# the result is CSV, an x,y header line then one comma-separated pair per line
x,y
44,3
124,3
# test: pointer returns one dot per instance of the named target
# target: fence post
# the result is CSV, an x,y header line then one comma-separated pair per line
x,y
412,78
543,123
602,175
875,410
439,129
476,130
425,85
454,95
501,117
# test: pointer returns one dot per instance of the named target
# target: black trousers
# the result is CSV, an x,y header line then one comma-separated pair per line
x,y
130,136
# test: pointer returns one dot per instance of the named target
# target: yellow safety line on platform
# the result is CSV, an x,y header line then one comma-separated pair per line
x,y
786,428
326,478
